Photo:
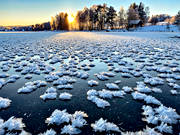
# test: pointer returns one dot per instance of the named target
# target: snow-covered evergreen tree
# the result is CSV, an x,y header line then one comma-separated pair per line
x,y
142,13
178,18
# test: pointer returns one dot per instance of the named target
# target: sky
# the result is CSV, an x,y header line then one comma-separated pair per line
x,y
28,12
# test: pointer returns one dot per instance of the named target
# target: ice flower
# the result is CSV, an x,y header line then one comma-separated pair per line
x,y
65,96
4,102
103,126
58,117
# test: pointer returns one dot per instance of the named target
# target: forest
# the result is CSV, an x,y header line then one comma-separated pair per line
x,y
98,17
104,17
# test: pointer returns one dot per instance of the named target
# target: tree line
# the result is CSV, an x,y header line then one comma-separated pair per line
x,y
100,17
103,17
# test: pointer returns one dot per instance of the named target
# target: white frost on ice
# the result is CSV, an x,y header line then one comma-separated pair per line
x,y
141,87
51,90
4,75
92,83
156,90
47,96
102,77
2,83
92,92
65,96
147,131
58,117
138,96
71,130
152,100
105,93
103,126
14,124
127,89
174,92
164,128
98,101
112,86
82,75
49,132
4,102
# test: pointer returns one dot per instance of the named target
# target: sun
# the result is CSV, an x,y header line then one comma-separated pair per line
x,y
71,18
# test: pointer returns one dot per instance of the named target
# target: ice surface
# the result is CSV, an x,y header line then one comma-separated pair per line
x,y
118,59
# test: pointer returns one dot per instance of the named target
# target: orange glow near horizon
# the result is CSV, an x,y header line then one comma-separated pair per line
x,y
20,21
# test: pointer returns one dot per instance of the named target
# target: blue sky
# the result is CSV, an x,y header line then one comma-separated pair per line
x,y
26,12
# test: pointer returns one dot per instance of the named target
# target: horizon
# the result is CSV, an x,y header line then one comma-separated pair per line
x,y
13,11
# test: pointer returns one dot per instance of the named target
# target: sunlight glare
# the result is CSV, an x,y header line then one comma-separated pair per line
x,y
71,17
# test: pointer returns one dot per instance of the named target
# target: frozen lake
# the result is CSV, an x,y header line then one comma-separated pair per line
x,y
137,71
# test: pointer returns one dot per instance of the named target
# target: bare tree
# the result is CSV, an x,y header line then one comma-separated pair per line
x,y
52,23
132,14
147,12
122,17
102,16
